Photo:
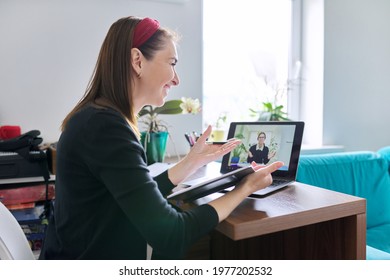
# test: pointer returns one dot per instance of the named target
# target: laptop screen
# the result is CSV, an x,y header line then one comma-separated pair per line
x,y
264,143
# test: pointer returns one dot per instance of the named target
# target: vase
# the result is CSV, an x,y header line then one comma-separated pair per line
x,y
234,160
155,144
217,135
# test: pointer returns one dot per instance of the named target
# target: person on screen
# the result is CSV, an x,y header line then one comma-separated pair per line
x,y
260,153
108,206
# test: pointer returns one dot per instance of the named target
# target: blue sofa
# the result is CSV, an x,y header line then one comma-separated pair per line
x,y
364,174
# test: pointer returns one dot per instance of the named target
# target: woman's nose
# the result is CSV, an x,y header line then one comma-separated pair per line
x,y
175,80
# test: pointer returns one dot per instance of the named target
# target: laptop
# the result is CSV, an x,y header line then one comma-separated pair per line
x,y
262,142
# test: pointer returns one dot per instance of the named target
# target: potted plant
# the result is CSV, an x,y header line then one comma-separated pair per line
x,y
155,135
236,153
273,110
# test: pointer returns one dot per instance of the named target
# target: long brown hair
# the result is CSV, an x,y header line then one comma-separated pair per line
x,y
113,73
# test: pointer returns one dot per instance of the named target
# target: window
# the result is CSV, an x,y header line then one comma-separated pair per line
x,y
248,51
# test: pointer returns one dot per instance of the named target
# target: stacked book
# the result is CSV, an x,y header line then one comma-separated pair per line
x,y
25,198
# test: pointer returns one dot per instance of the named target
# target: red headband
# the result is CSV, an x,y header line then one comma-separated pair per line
x,y
144,30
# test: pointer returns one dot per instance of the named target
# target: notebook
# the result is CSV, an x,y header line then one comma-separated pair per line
x,y
263,142
282,142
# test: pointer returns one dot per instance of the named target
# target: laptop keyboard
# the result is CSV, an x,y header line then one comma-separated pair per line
x,y
278,182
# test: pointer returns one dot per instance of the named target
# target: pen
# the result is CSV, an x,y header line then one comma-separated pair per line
x,y
216,142
196,137
189,139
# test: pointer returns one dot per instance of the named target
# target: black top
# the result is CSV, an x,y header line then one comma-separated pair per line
x,y
259,156
107,204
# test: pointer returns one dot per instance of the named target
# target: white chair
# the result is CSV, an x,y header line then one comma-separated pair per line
x,y
13,241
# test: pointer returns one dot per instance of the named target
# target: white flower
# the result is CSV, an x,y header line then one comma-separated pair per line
x,y
190,106
149,115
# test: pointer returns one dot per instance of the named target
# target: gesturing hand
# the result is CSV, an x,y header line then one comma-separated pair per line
x,y
261,178
271,154
202,153
258,180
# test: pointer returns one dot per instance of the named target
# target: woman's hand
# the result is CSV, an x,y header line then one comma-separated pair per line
x,y
258,180
261,178
200,154
271,154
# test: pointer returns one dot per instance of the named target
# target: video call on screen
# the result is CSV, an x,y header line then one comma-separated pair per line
x,y
273,144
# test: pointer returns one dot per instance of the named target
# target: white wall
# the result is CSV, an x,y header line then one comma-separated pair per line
x,y
356,73
312,46
48,49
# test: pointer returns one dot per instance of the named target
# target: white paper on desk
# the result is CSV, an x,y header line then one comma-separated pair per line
x,y
190,183
37,179
157,168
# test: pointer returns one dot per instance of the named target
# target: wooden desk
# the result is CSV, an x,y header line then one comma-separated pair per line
x,y
297,222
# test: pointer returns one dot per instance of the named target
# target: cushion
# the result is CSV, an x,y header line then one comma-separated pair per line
x,y
362,174
385,152
379,237
375,254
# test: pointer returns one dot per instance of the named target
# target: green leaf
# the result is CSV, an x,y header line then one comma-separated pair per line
x,y
268,106
279,108
147,110
170,107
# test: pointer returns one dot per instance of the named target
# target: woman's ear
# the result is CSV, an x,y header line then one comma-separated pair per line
x,y
136,60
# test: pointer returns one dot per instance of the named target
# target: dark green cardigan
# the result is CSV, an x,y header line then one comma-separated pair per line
x,y
107,205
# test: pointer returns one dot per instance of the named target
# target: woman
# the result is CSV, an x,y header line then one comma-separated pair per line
x,y
107,204
259,152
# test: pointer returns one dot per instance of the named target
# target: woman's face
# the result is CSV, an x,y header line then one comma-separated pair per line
x,y
261,139
158,75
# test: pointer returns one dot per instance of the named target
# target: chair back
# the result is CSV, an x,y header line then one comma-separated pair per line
x,y
13,242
